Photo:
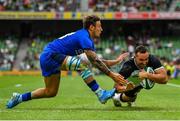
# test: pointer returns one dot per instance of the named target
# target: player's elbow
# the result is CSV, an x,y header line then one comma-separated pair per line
x,y
164,80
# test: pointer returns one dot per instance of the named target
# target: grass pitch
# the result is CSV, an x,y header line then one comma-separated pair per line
x,y
75,101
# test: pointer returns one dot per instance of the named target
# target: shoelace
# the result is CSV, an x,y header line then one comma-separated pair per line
x,y
15,97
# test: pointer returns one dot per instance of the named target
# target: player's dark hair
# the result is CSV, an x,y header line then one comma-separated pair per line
x,y
141,49
90,20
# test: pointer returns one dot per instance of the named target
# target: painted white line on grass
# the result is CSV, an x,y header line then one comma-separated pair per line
x,y
173,85
90,120
57,111
10,111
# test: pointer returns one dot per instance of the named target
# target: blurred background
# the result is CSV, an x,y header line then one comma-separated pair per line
x,y
26,26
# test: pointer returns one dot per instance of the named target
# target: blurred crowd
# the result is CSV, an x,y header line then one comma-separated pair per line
x,y
8,48
172,67
177,6
40,5
105,50
93,5
129,5
35,47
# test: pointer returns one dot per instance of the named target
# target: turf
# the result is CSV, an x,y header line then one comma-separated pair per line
x,y
75,101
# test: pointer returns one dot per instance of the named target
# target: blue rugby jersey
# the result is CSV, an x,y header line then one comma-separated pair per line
x,y
72,44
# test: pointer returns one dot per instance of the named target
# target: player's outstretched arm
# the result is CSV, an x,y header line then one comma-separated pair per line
x,y
119,59
96,61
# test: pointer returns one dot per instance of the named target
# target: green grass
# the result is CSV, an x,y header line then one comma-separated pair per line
x,y
76,101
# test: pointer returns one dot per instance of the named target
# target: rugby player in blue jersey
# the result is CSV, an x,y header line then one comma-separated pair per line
x,y
61,54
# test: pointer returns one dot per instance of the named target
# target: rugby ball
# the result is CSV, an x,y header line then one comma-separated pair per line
x,y
147,83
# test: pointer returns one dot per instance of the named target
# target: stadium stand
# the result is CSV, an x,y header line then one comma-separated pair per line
x,y
107,48
118,36
8,48
129,5
31,60
39,5
94,5
177,8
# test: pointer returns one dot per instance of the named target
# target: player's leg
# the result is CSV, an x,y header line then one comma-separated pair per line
x,y
50,66
120,93
103,95
75,63
50,90
119,98
129,96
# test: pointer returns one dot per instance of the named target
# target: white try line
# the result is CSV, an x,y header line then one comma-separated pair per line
x,y
59,111
173,85
10,111
93,120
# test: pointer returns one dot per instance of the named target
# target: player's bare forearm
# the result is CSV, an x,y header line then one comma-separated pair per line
x,y
119,59
158,77
96,61
110,62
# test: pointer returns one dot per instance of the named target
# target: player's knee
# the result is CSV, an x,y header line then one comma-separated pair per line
x,y
133,92
75,63
132,99
125,98
50,93
84,65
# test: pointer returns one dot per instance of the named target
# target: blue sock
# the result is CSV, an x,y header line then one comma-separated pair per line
x,y
93,85
26,96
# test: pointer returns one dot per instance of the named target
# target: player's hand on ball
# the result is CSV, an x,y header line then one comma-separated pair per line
x,y
142,75
146,83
